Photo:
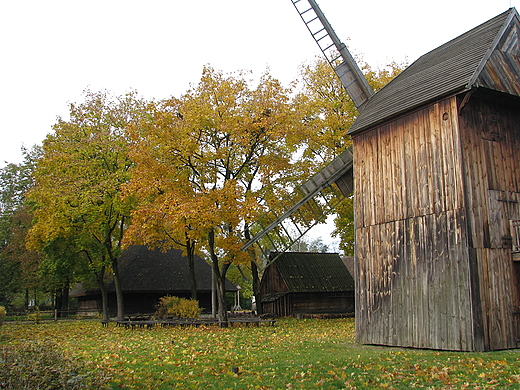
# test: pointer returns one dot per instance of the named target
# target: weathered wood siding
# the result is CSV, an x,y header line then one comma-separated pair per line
x,y
435,193
413,274
490,134
279,307
292,304
316,303
272,281
502,68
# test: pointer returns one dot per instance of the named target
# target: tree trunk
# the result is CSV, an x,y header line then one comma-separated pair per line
x,y
64,308
256,288
104,294
255,275
27,299
221,290
104,301
119,291
58,301
190,246
222,307
213,294
219,277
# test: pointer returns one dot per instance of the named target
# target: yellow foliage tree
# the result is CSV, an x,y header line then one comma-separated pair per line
x,y
209,163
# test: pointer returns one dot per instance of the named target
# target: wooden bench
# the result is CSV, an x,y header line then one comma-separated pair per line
x,y
136,324
251,321
191,322
147,323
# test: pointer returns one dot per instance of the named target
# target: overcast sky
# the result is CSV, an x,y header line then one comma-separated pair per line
x,y
52,50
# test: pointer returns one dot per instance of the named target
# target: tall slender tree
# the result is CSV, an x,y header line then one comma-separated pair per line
x,y
18,265
77,195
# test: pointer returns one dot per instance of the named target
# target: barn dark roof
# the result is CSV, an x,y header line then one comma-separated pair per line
x,y
466,62
145,270
142,269
313,272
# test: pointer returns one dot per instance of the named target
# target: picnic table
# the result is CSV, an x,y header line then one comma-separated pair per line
x,y
133,322
251,321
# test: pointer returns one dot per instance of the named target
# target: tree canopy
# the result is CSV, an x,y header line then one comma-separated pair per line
x,y
190,172
210,162
78,179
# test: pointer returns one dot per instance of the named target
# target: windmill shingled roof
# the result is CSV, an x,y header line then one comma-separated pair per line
x,y
314,272
448,69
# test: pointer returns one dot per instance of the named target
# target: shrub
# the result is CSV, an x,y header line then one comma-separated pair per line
x,y
41,365
35,316
178,307
165,306
188,308
2,314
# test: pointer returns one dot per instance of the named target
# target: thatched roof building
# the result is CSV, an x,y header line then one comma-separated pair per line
x,y
147,275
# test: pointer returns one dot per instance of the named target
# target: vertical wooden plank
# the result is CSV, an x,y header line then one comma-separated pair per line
x,y
412,170
424,302
422,164
360,298
371,188
436,172
399,173
409,171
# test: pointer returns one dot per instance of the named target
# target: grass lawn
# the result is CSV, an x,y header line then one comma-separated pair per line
x,y
294,354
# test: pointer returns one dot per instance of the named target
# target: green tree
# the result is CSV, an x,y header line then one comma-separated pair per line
x,y
77,193
18,265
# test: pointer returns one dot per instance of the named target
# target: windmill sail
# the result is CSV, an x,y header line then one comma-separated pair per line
x,y
319,196
334,51
308,205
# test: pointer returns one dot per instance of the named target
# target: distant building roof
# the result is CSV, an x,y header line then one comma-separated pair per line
x,y
486,56
314,272
145,270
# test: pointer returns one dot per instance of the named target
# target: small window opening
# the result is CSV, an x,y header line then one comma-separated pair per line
x,y
515,236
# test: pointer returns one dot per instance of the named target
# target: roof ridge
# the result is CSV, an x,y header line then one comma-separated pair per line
x,y
442,71
505,26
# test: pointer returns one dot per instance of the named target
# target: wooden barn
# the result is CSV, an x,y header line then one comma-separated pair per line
x,y
306,283
437,189
146,276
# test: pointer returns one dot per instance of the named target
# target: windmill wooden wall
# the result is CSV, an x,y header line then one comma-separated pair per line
x,y
408,230
490,135
439,189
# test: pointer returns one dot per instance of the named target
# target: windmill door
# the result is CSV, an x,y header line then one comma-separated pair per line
x,y
503,258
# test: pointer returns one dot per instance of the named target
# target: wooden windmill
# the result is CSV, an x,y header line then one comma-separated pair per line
x,y
316,198
437,216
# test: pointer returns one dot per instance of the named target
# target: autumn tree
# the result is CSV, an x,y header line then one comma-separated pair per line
x,y
77,199
18,266
330,112
209,163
